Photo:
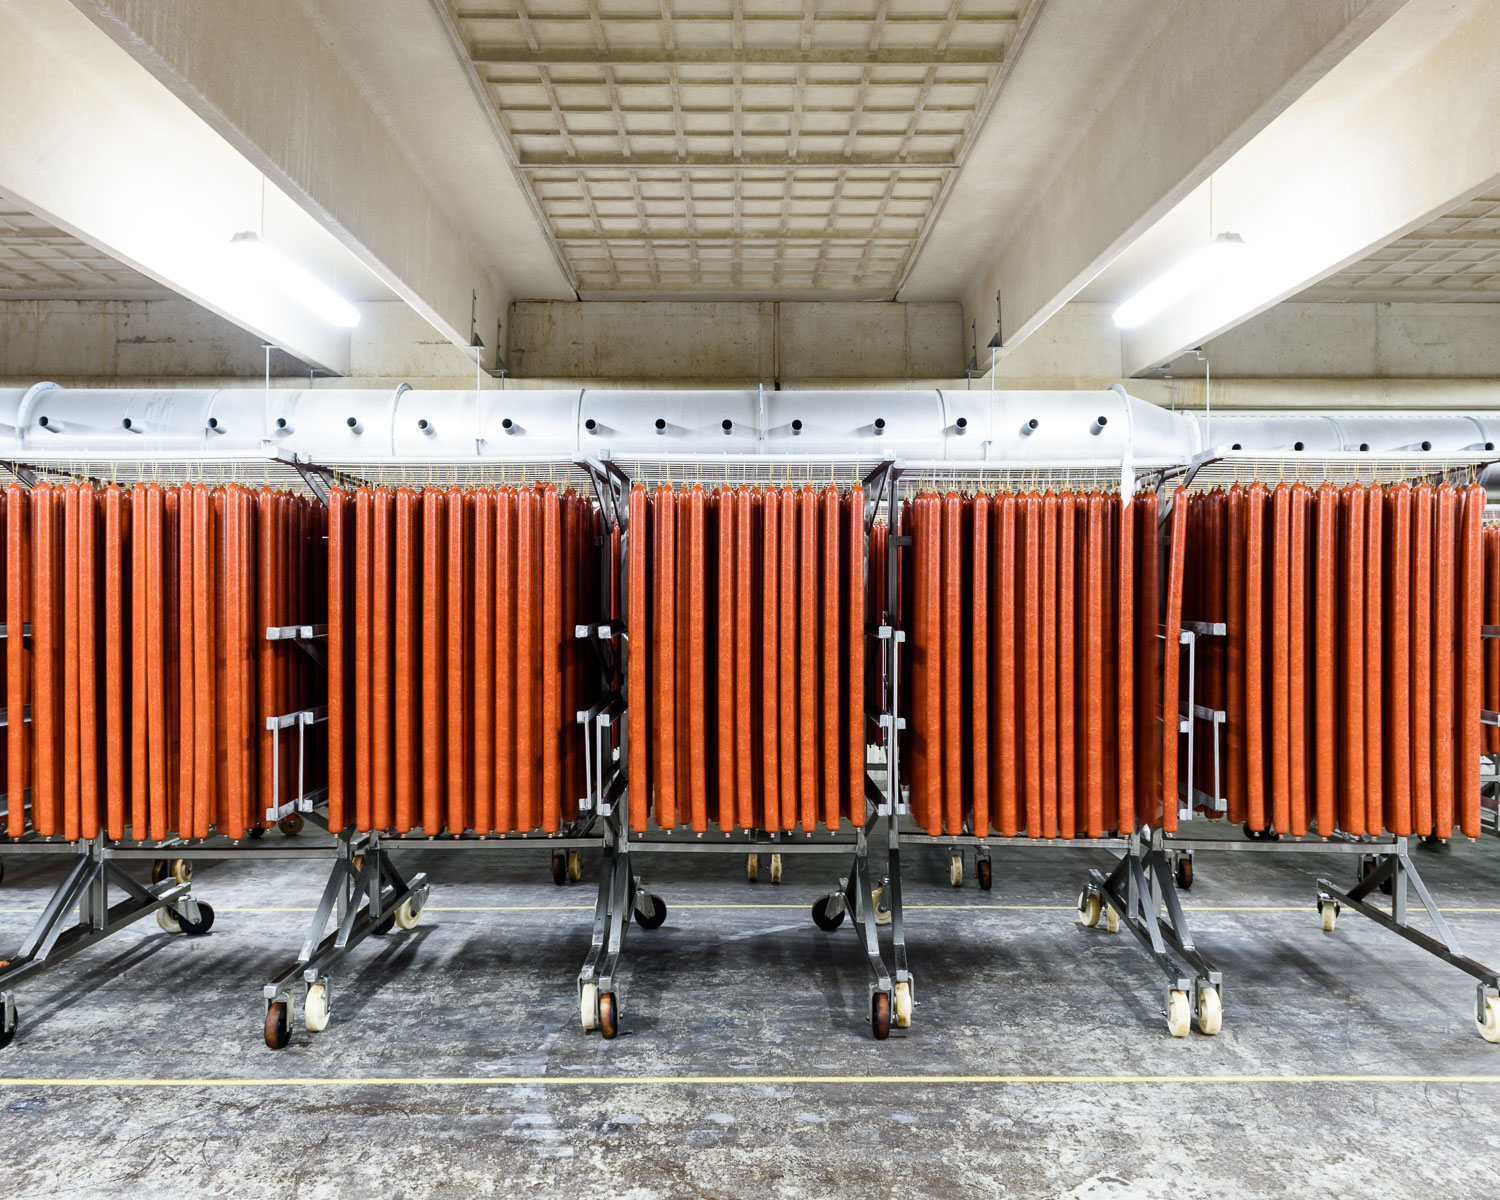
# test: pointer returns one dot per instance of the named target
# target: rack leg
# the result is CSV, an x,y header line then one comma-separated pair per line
x,y
1136,894
85,889
1396,870
365,894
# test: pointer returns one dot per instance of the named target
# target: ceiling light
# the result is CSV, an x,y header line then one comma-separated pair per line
x,y
1192,272
294,280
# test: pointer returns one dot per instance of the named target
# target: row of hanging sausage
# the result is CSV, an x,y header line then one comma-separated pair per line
x,y
746,612
1034,694
454,676
138,678
1352,673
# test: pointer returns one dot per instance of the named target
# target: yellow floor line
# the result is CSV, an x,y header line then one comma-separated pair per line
x,y
624,1081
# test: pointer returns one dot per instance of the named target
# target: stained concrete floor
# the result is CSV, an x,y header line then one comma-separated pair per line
x,y
739,984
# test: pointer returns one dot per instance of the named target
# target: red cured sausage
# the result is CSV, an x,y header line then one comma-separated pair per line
x,y
1444,593
195,824
1280,744
406,592
929,587
157,589
72,557
1255,650
979,649
697,623
921,654
44,638
434,640
1172,642
788,664
808,659
1373,774
1235,782
1125,656
770,655
1149,645
233,639
1031,658
744,658
1355,544
682,731
364,623
854,543
726,761
137,758
1005,763
950,620
637,674
664,635
552,730
1297,662
266,651
484,632
1423,518
1067,551
1398,766
1325,680
1048,693
17,612
456,642
1093,550
833,772
503,815
382,706
1470,665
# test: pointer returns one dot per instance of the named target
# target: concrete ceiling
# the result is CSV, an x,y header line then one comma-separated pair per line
x,y
38,261
739,147
1454,258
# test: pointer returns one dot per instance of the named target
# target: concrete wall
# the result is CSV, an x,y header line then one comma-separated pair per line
x,y
732,342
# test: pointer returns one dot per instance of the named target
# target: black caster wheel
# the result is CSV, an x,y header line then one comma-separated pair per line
x,y
256,832
559,868
279,1024
387,923
821,918
202,925
290,825
1184,872
1367,868
7,1036
609,1015
880,1015
159,869
2,872
982,869
658,914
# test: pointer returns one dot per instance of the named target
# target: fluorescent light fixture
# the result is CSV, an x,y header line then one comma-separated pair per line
x,y
1189,274
294,281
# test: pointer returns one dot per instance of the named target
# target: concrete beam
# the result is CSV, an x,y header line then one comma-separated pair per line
x,y
94,145
1400,133
1181,86
265,77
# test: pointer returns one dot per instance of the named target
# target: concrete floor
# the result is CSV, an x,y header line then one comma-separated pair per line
x,y
740,984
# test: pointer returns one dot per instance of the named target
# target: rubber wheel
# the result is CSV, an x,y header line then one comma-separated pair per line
x,y
608,1016
202,925
658,914
2,872
982,869
408,914
752,868
315,1013
182,870
1179,1014
1184,873
167,919
290,825
1089,908
256,832
1210,1011
821,918
7,1036
387,923
159,869
880,1015
1367,868
559,868
775,868
278,1025
1489,1027
575,866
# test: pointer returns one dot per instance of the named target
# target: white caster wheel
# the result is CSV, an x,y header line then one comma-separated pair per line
x,y
775,868
408,914
752,868
956,870
575,866
1329,911
882,913
167,919
588,1006
315,1008
1210,1011
1489,1026
1111,919
903,1005
1089,906
182,870
1179,1013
